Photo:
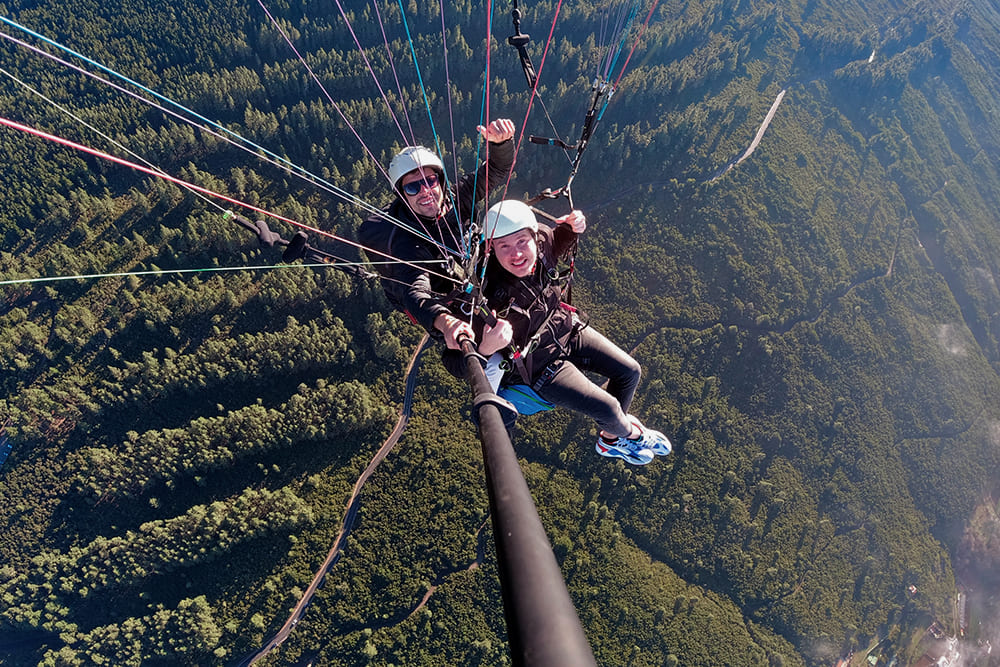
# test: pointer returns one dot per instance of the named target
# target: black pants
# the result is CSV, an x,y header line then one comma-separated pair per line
x,y
570,388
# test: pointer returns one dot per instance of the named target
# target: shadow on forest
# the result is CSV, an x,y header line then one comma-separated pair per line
x,y
275,469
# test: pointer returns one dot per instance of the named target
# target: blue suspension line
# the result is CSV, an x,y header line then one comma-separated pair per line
x,y
155,94
624,36
633,12
427,107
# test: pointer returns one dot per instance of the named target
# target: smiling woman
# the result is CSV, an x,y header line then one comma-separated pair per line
x,y
542,346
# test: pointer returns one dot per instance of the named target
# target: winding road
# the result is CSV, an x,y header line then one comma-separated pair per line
x,y
353,504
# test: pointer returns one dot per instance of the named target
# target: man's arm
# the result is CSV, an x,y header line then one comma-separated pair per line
x,y
499,131
501,161
500,136
453,329
410,285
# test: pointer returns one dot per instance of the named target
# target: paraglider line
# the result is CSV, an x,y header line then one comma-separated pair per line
x,y
534,88
197,188
371,70
427,106
152,172
424,233
97,131
340,264
635,44
243,143
161,272
395,75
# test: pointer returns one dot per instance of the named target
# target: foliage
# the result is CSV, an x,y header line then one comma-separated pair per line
x,y
816,324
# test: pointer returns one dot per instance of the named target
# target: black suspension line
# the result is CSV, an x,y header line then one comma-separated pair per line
x,y
520,41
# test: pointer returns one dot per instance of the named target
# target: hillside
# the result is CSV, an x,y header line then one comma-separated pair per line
x,y
817,325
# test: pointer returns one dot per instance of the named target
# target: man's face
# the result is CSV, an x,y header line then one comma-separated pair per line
x,y
428,195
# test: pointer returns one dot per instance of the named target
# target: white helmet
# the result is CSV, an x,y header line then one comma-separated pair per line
x,y
411,158
509,216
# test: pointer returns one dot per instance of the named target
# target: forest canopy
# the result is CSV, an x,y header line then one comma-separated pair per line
x,y
817,325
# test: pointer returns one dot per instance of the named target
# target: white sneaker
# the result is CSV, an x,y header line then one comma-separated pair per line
x,y
652,440
627,450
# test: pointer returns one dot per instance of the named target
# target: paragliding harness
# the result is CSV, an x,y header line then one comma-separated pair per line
x,y
521,359
525,398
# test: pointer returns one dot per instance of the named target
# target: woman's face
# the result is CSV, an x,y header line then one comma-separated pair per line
x,y
517,252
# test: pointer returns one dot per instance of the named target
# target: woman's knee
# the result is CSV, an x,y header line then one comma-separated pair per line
x,y
630,373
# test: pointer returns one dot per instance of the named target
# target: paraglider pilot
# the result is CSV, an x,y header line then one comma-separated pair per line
x,y
423,203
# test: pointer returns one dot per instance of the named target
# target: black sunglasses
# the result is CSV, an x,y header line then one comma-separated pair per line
x,y
413,187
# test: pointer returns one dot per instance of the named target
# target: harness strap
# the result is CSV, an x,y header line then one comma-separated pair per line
x,y
519,356
547,374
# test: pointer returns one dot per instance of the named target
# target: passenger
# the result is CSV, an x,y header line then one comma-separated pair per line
x,y
542,342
